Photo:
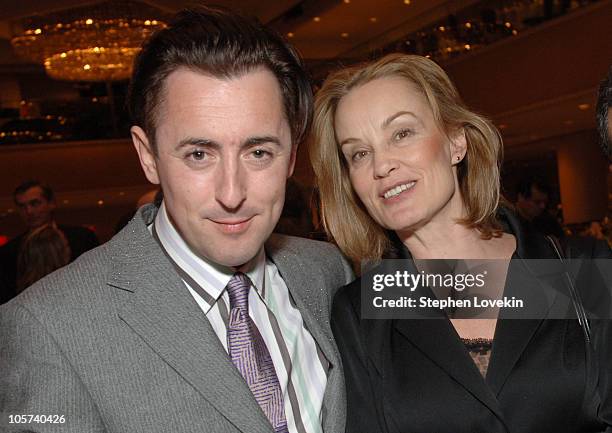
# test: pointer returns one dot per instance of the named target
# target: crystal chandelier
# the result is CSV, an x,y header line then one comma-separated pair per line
x,y
92,43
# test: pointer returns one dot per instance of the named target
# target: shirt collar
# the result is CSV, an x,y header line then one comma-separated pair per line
x,y
212,277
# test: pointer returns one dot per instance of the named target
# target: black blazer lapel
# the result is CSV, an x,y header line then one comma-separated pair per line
x,y
436,339
538,285
448,353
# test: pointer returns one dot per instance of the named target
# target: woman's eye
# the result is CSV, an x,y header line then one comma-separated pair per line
x,y
358,156
400,135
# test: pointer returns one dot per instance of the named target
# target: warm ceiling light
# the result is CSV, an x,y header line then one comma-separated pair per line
x,y
515,32
406,2
467,46
468,25
442,28
93,43
583,107
344,35
507,24
100,202
290,34
317,19
373,19
347,1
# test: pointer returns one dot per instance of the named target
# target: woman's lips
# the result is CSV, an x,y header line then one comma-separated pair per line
x,y
398,190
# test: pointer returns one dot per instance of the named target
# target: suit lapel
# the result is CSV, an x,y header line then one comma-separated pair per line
x,y
448,352
305,287
156,305
536,285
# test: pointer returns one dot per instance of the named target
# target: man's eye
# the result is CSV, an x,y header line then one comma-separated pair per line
x,y
260,153
198,155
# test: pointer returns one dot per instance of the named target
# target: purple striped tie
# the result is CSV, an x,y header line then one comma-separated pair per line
x,y
250,355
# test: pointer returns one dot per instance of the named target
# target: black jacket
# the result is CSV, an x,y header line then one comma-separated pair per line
x,y
416,375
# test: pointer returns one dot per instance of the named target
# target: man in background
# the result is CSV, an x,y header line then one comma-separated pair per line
x,y
532,204
35,203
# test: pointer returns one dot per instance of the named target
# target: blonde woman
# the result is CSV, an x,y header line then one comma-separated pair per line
x,y
403,165
43,251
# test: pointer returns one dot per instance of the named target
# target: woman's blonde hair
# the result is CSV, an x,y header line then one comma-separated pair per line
x,y
42,252
344,216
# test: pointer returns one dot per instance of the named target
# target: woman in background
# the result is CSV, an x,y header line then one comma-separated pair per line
x,y
404,166
42,252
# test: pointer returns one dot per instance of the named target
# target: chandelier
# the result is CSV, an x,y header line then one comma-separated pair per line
x,y
92,43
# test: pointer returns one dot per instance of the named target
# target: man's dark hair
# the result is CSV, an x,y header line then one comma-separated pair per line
x,y
224,45
604,101
524,186
24,186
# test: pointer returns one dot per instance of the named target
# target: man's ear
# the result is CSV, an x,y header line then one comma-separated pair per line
x,y
145,154
458,146
292,160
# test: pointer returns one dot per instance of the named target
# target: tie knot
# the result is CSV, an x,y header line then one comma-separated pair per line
x,y
238,291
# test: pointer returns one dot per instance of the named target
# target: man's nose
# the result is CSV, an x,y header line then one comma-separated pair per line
x,y
231,184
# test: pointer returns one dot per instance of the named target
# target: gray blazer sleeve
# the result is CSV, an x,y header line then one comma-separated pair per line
x,y
36,379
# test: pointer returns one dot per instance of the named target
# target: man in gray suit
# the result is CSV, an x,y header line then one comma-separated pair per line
x,y
193,318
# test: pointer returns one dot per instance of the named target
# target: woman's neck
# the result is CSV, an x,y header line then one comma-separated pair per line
x,y
446,238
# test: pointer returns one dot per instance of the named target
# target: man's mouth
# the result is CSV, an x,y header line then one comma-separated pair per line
x,y
233,225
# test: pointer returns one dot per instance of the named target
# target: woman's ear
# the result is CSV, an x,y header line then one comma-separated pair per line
x,y
458,146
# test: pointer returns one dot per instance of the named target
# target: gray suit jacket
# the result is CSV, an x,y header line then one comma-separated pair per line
x,y
115,343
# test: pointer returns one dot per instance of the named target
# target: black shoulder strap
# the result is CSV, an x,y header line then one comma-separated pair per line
x,y
580,313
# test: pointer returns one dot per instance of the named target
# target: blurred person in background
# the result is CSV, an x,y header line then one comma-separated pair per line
x,y
44,250
531,198
533,195
604,121
604,126
35,202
